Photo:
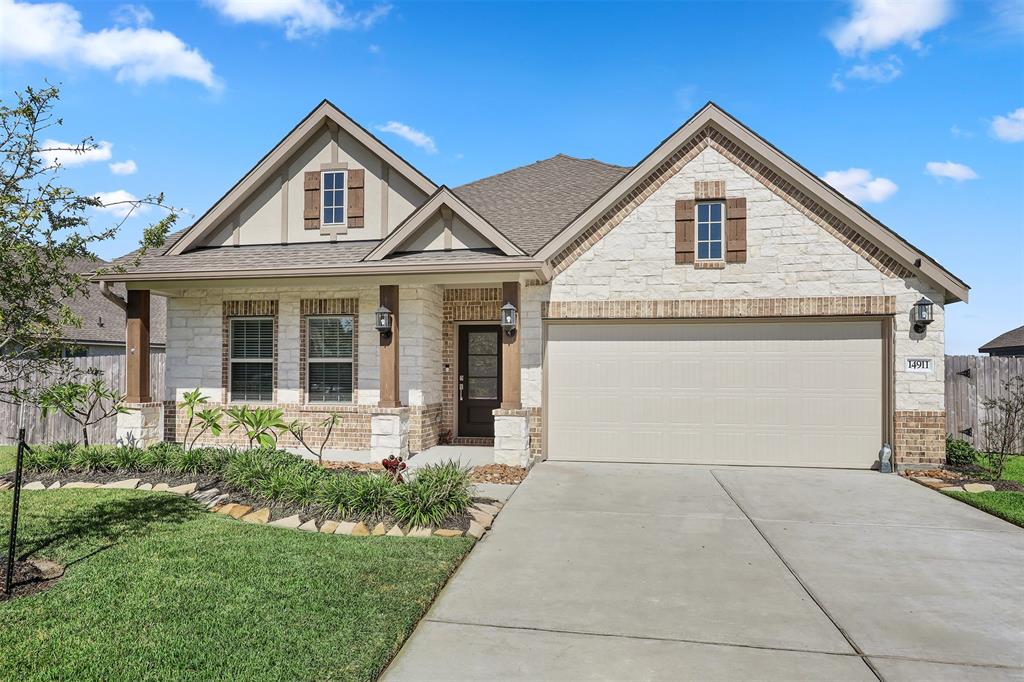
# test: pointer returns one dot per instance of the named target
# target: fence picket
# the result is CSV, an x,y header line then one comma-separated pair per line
x,y
965,396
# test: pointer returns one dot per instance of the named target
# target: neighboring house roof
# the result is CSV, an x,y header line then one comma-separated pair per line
x,y
103,320
539,210
1011,339
531,204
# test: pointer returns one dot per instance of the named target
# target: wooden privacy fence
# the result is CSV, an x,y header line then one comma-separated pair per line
x,y
57,427
970,380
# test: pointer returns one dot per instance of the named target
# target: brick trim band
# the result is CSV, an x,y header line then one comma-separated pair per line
x,y
312,307
720,308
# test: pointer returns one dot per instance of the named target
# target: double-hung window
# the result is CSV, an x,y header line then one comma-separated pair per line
x,y
252,359
329,358
332,197
710,227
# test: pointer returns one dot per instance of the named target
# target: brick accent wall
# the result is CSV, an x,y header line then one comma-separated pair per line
x,y
720,307
461,305
311,307
536,429
919,438
424,426
245,309
779,185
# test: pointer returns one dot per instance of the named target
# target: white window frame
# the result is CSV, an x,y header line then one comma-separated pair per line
x,y
310,359
323,194
696,232
232,360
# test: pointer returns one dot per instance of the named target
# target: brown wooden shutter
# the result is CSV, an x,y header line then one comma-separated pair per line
x,y
311,200
685,240
356,201
736,230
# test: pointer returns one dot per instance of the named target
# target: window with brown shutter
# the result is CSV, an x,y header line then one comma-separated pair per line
x,y
736,230
685,241
356,201
311,200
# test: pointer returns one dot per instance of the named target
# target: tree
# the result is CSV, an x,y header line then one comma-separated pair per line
x,y
85,403
45,234
1003,427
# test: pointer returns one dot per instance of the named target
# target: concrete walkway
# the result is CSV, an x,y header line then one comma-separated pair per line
x,y
652,572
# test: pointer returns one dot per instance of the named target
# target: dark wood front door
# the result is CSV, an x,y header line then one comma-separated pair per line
x,y
479,384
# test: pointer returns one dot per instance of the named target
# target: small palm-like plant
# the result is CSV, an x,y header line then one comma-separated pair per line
x,y
84,403
190,401
298,431
209,421
260,425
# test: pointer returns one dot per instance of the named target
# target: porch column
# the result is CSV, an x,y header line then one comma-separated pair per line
x,y
511,395
137,347
389,395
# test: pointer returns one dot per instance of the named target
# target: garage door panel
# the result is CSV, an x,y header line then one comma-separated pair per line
x,y
800,393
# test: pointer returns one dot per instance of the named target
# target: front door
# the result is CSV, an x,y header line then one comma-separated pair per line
x,y
479,385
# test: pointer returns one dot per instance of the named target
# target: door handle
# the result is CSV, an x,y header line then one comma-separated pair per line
x,y
461,378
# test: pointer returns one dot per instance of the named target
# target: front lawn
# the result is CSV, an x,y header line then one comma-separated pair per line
x,y
8,455
156,588
1006,505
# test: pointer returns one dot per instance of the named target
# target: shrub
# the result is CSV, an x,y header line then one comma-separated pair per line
x,y
55,458
334,492
302,485
959,453
125,458
436,492
187,461
91,458
370,496
1002,429
158,457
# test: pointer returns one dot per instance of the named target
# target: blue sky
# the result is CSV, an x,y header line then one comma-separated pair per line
x,y
915,109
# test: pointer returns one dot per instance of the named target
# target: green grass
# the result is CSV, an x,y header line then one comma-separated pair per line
x,y
8,454
157,589
1014,470
1006,505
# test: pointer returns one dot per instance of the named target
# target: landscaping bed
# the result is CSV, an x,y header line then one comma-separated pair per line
x,y
156,589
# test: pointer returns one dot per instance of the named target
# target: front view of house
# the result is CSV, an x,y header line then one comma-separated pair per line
x,y
715,303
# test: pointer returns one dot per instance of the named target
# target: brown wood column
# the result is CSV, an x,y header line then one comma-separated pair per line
x,y
389,351
137,347
511,371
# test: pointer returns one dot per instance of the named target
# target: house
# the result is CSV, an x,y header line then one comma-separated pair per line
x,y
102,331
716,302
1009,344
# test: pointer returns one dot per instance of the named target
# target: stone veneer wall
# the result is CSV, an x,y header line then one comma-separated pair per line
x,y
461,305
795,252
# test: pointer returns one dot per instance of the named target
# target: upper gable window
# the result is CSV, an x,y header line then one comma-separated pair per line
x,y
710,221
332,197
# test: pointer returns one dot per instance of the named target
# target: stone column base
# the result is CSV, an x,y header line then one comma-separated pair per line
x,y
512,437
142,425
389,433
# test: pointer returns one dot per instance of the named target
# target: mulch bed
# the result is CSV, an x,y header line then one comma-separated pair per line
x,y
359,467
498,473
30,577
959,476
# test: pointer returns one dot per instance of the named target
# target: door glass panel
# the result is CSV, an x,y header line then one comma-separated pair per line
x,y
479,388
483,366
483,343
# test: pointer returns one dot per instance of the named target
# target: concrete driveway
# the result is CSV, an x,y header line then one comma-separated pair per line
x,y
640,572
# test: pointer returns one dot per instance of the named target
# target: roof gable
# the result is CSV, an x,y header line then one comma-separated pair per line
x,y
323,114
712,121
441,201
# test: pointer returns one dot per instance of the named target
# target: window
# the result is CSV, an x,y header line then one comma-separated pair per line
x,y
329,359
252,358
332,196
710,220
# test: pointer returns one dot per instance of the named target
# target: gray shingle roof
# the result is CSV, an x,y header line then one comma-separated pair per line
x,y
1011,339
103,321
531,204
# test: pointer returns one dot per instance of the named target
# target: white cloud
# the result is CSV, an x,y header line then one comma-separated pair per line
x,y
117,203
879,24
300,18
881,72
416,137
1009,128
55,152
858,185
123,167
951,170
133,15
52,33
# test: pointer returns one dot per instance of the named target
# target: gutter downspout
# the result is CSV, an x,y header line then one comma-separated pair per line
x,y
111,296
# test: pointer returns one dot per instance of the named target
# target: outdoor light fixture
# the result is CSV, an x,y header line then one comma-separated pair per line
x,y
923,315
382,321
508,318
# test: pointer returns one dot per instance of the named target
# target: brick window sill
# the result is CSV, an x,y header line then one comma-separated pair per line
x,y
709,265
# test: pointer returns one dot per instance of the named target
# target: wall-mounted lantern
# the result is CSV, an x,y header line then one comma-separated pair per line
x,y
509,318
923,315
382,321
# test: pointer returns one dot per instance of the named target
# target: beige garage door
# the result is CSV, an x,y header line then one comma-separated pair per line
x,y
768,393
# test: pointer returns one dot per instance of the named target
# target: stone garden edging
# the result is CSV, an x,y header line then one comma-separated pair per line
x,y
482,514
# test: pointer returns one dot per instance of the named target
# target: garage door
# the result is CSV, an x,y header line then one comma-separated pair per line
x,y
764,393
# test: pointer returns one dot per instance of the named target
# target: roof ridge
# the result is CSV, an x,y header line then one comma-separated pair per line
x,y
540,161
592,160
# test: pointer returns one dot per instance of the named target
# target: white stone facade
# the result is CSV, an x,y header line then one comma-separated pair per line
x,y
788,256
389,434
511,439
142,424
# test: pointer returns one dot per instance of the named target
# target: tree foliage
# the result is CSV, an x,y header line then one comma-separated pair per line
x,y
47,230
